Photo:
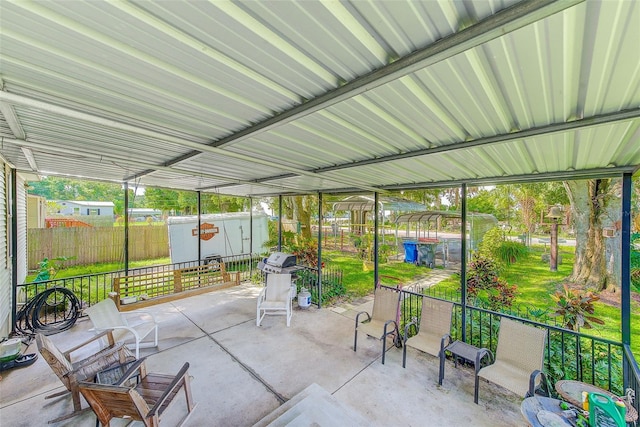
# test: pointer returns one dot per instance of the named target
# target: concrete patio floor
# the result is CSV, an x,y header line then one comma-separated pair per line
x,y
241,373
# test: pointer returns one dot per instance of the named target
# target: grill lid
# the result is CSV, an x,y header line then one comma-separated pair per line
x,y
281,260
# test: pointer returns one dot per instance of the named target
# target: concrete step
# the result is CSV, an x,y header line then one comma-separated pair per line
x,y
313,406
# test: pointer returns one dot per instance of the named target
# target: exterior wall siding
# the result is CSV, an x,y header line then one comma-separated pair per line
x,y
5,260
22,229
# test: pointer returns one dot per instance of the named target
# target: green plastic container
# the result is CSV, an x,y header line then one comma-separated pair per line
x,y
604,412
10,349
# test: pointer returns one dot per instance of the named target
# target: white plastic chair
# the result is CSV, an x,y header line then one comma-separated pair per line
x,y
275,298
105,315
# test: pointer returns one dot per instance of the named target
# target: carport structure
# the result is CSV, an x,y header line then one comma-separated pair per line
x,y
285,98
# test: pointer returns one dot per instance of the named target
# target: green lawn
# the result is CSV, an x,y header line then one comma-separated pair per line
x,y
536,283
81,270
359,282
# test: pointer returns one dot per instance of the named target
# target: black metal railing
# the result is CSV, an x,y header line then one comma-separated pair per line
x,y
307,278
568,354
92,288
332,285
631,375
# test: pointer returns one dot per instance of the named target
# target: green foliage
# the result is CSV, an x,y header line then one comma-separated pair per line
x,y
48,268
54,188
306,252
484,284
635,262
495,247
571,357
332,286
576,308
364,244
483,202
491,242
509,252
186,202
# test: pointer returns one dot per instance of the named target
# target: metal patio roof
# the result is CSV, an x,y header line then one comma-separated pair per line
x,y
367,203
259,98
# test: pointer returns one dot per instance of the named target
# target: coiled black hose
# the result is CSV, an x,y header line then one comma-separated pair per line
x,y
49,312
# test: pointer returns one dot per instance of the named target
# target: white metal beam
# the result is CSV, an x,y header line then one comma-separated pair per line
x,y
181,142
12,120
27,146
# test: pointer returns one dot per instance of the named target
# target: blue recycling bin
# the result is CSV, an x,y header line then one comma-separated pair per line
x,y
410,252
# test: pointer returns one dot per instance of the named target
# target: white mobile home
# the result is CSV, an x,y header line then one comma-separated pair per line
x,y
82,207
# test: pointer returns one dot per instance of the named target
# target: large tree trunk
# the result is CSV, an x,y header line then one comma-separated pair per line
x,y
301,206
595,206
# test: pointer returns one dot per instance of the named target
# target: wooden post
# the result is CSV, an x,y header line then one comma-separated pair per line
x,y
177,281
115,295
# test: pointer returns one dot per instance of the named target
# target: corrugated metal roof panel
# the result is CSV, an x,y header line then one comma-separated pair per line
x,y
145,85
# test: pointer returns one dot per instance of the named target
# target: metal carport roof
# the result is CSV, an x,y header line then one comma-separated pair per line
x,y
366,203
290,97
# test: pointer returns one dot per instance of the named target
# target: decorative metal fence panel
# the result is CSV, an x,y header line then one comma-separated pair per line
x,y
93,288
631,375
568,355
321,291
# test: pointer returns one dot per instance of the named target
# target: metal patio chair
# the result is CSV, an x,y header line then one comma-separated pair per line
x,y
434,331
519,358
384,320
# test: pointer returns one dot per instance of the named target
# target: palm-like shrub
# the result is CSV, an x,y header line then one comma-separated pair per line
x,y
576,308
508,252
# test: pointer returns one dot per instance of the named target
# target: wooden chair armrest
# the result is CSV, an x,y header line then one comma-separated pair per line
x,y
99,357
107,332
177,381
137,365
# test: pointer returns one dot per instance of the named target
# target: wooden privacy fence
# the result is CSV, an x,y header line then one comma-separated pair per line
x,y
88,245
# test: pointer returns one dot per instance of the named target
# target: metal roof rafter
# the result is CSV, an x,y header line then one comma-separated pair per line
x,y
28,145
510,19
12,98
497,139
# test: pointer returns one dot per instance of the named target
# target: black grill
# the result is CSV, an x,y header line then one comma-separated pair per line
x,y
279,263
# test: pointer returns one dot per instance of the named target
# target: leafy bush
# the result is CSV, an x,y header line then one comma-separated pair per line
x,y
484,283
576,308
635,263
509,252
491,241
306,252
635,278
48,268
